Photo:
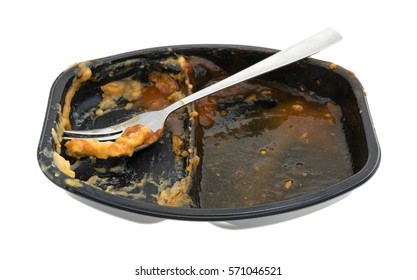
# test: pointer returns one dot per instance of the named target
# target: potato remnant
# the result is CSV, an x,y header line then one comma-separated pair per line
x,y
83,74
125,145
63,165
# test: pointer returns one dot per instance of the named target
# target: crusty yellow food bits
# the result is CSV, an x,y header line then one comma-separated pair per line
x,y
125,145
63,165
83,74
288,184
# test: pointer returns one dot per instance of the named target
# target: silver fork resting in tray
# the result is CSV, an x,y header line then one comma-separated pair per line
x,y
155,119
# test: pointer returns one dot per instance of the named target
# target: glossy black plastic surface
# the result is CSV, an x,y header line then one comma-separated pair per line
x,y
358,128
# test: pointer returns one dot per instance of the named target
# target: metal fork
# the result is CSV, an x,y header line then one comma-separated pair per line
x,y
155,119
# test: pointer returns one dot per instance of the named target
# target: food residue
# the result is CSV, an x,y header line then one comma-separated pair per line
x,y
132,138
239,147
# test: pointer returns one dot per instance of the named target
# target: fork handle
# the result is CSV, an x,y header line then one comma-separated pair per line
x,y
303,49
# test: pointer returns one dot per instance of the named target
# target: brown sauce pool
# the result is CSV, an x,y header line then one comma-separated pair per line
x,y
256,155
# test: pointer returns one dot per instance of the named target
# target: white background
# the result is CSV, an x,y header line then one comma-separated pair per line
x,y
47,234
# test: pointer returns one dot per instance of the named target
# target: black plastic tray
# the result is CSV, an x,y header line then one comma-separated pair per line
x,y
359,132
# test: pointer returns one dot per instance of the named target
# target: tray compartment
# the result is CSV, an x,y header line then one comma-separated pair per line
x,y
133,183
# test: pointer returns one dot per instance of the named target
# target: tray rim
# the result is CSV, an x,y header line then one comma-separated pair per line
x,y
218,214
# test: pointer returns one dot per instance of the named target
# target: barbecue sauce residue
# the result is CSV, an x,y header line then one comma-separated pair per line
x,y
262,143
